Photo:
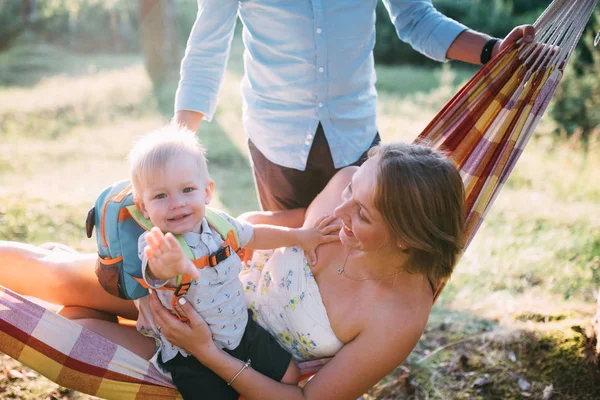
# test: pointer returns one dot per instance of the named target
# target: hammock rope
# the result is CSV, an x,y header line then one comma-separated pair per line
x,y
483,128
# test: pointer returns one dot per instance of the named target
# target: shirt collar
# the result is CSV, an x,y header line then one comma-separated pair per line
x,y
193,238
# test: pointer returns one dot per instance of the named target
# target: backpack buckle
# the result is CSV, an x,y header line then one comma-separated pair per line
x,y
220,255
182,289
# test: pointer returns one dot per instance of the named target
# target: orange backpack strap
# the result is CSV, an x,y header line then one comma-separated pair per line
x,y
224,227
176,294
229,245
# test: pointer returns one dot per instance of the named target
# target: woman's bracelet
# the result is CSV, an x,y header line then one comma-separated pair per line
x,y
246,365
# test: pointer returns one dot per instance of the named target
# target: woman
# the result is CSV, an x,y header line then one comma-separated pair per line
x,y
402,222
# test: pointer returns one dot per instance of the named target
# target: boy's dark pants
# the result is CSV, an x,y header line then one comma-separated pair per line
x,y
195,381
281,188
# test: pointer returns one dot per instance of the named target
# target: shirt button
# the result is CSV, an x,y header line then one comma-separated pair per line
x,y
321,69
320,104
307,142
319,31
309,136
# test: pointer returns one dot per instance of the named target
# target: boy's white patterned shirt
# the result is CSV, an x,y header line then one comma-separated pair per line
x,y
217,296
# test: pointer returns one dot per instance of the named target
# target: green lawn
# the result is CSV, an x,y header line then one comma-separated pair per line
x,y
532,272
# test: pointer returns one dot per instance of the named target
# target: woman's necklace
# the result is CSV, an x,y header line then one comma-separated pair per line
x,y
342,271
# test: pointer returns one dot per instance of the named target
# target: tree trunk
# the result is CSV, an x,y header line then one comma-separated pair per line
x,y
29,12
160,41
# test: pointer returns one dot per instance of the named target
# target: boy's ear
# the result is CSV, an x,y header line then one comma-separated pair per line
x,y
208,192
141,206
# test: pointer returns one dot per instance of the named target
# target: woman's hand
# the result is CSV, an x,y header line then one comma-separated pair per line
x,y
527,32
194,336
323,232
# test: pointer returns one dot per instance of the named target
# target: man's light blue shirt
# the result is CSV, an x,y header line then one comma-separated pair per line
x,y
305,62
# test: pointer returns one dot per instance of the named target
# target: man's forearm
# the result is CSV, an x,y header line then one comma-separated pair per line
x,y
468,45
189,119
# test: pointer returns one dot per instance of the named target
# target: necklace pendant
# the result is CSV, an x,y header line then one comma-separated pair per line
x,y
340,270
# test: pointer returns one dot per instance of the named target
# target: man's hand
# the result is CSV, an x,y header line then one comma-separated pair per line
x,y
166,258
189,119
527,32
469,44
322,232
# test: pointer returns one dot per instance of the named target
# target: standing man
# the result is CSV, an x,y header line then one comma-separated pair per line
x,y
309,98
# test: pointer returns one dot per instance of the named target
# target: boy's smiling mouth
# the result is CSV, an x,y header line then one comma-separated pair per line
x,y
178,218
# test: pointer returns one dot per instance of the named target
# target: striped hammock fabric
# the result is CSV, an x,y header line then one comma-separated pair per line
x,y
483,128
486,125
77,358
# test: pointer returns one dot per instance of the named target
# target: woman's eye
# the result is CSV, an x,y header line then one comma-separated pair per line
x,y
346,193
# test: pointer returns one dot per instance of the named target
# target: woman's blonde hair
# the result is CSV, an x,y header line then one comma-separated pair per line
x,y
420,195
155,149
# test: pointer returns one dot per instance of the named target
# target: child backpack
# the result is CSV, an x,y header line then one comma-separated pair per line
x,y
119,224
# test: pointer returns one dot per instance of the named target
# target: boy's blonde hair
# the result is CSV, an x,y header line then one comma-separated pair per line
x,y
155,149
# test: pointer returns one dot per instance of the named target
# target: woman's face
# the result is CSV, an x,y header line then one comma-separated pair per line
x,y
363,227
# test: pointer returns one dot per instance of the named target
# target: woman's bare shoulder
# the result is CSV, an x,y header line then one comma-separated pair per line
x,y
387,335
397,309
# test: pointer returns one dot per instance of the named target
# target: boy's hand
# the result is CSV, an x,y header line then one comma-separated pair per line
x,y
322,232
166,258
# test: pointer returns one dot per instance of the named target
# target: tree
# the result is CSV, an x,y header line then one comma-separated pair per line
x,y
160,40
576,108
29,11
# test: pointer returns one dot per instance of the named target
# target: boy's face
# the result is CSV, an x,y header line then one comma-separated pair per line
x,y
174,197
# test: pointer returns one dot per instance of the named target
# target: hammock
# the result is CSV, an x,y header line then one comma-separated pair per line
x,y
483,128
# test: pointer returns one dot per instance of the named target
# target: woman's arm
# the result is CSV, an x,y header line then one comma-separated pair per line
x,y
382,346
196,338
250,384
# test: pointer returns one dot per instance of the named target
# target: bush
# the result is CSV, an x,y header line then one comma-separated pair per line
x,y
576,108
92,25
11,22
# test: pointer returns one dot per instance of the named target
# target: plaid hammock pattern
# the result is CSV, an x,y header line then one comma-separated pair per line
x,y
77,358
483,128
73,356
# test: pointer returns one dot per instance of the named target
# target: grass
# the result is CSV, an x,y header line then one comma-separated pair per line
x,y
531,273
